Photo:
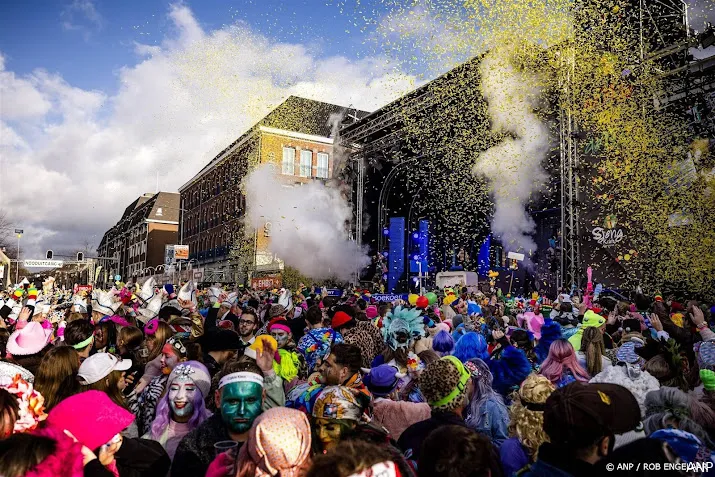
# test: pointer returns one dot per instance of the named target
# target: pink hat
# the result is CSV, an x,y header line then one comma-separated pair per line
x,y
91,417
371,312
29,340
534,323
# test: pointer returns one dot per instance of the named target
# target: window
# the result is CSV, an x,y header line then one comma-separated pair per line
x,y
322,171
288,161
159,212
306,163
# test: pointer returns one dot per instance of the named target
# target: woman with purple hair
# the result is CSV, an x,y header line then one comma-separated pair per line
x,y
182,408
561,365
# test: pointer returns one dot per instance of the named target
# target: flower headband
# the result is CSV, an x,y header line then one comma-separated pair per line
x,y
31,404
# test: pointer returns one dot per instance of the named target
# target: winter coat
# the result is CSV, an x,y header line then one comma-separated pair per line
x,y
142,458
396,416
554,462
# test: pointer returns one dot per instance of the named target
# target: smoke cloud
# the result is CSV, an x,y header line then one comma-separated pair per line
x,y
308,225
513,167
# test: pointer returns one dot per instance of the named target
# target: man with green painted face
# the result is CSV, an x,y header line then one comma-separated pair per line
x,y
239,399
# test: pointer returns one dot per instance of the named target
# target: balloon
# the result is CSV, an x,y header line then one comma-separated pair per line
x,y
422,302
412,299
431,297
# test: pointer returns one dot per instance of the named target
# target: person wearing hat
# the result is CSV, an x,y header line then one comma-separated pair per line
x,y
362,334
93,420
590,318
239,398
219,346
28,345
182,408
581,421
388,411
445,385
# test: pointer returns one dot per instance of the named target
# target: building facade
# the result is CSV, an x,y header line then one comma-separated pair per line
x,y
297,138
136,243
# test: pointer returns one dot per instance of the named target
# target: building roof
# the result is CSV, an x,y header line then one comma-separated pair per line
x,y
301,115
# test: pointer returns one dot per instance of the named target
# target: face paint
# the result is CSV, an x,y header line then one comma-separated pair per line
x,y
329,432
281,337
181,397
169,360
241,403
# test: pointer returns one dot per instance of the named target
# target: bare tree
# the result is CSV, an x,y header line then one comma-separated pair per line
x,y
6,229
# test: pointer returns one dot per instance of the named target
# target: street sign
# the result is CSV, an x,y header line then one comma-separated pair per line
x,y
43,263
168,255
117,278
19,231
267,282
181,252
515,256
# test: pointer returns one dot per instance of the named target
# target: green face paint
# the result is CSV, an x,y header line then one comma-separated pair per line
x,y
241,403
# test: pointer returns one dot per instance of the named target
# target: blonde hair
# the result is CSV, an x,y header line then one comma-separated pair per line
x,y
525,424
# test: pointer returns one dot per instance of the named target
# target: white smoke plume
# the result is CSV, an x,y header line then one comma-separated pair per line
x,y
513,167
308,225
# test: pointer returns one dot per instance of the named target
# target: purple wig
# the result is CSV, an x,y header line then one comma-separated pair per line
x,y
471,345
443,343
163,414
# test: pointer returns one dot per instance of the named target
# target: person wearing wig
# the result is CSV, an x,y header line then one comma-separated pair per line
x,y
509,365
291,364
486,413
592,355
144,405
669,407
443,343
182,408
526,425
561,365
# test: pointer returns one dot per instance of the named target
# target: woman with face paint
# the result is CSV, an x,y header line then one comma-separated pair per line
x,y
290,363
182,408
172,353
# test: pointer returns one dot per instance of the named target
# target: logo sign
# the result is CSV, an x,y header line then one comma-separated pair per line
x,y
43,263
84,288
266,283
198,274
335,292
117,278
389,297
609,234
19,231
181,252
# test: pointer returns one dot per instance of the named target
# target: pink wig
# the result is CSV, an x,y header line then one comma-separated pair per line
x,y
562,358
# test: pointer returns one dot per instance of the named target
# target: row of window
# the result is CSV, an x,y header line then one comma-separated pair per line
x,y
306,163
137,249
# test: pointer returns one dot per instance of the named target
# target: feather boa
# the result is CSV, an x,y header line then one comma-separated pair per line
x,y
639,385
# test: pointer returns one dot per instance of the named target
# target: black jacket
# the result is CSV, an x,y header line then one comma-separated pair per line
x,y
196,449
411,440
136,458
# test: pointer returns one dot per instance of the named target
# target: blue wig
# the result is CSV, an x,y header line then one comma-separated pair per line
x,y
443,343
471,345
550,332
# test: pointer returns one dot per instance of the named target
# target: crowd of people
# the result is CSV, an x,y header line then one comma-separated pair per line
x,y
151,381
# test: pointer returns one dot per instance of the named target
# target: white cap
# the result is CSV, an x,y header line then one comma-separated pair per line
x,y
99,366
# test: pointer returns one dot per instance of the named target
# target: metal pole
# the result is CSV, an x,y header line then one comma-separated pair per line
x,y
17,268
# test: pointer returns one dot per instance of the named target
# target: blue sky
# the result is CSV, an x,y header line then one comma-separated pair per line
x,y
87,49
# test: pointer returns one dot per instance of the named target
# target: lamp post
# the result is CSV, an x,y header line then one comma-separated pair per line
x,y
19,233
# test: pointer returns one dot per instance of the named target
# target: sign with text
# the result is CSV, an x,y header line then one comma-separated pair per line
x,y
19,231
198,274
42,263
389,297
335,292
84,288
266,283
181,252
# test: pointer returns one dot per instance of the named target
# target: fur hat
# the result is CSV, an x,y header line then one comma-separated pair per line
x,y
444,384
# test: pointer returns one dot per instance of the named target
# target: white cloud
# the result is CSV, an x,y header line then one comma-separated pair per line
x,y
76,158
81,15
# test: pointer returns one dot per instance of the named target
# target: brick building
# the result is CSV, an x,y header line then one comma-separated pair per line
x,y
137,241
296,136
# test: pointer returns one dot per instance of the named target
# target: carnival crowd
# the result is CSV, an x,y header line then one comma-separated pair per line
x,y
150,381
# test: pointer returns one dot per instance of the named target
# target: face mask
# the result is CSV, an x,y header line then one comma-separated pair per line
x,y
181,396
329,432
241,403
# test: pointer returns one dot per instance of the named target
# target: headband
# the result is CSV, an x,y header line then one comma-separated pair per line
x,y
177,345
84,344
461,386
280,327
241,377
